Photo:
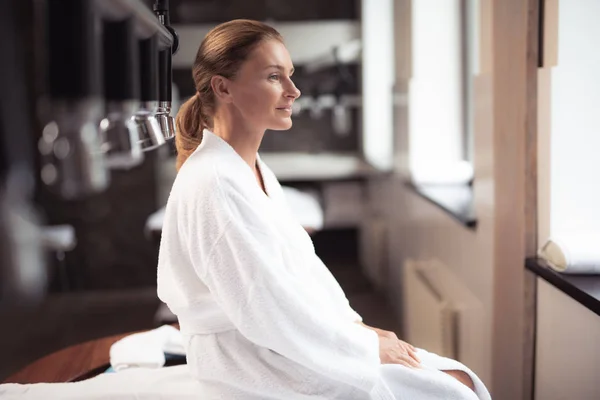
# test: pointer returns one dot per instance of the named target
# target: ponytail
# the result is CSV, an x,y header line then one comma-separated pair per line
x,y
189,122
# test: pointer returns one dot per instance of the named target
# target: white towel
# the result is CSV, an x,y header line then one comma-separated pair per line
x,y
577,253
305,206
146,349
154,223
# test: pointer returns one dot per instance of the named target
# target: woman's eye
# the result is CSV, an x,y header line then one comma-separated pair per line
x,y
274,77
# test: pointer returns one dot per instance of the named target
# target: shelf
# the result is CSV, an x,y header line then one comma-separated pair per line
x,y
583,288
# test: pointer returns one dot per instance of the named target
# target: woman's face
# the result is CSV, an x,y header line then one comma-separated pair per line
x,y
262,90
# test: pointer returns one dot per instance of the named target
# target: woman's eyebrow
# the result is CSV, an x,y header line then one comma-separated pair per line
x,y
279,67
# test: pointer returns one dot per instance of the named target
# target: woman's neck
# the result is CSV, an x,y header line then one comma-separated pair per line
x,y
244,140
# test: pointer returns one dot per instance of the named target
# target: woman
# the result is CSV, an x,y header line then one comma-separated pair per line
x,y
262,316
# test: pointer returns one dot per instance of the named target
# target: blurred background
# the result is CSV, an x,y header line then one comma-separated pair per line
x,y
434,151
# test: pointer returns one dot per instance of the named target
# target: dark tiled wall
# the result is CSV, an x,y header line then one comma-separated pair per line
x,y
112,250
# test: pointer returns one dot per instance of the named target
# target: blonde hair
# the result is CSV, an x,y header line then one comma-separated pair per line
x,y
222,52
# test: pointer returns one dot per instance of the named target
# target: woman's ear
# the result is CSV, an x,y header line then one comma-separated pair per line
x,y
221,88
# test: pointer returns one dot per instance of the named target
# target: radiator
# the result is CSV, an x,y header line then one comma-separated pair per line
x,y
432,321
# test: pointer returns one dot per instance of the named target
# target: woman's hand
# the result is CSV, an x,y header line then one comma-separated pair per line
x,y
393,350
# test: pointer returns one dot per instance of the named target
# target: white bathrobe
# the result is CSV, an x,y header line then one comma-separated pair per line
x,y
263,317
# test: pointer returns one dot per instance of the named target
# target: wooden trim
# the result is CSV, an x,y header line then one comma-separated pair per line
x,y
531,222
531,142
70,364
511,109
408,29
550,38
535,10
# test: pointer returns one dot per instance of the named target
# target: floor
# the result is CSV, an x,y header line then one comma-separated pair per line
x,y
66,319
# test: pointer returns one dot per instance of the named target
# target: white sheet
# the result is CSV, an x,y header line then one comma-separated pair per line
x,y
171,383
176,383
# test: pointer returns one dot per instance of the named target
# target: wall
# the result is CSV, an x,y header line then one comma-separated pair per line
x,y
488,261
568,193
568,352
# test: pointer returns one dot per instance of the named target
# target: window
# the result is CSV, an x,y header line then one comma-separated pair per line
x,y
569,96
444,58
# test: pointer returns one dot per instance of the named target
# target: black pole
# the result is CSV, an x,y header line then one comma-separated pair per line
x,y
74,40
165,71
149,69
121,61
161,8
165,75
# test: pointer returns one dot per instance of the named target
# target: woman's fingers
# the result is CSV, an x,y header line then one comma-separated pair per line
x,y
410,361
414,355
410,350
402,359
395,351
406,360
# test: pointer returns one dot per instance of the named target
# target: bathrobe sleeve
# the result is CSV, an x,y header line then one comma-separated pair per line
x,y
273,308
334,289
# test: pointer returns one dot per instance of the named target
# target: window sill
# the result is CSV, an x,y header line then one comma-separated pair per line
x,y
585,289
455,200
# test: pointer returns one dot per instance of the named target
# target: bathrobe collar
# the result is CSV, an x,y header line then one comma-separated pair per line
x,y
212,140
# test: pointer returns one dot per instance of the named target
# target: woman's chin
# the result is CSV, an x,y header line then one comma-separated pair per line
x,y
282,125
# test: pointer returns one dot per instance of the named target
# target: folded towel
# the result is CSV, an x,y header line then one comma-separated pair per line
x,y
154,223
573,254
146,349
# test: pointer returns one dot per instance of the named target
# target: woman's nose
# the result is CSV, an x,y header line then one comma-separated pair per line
x,y
293,91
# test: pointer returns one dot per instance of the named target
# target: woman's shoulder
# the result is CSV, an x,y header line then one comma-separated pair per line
x,y
208,176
